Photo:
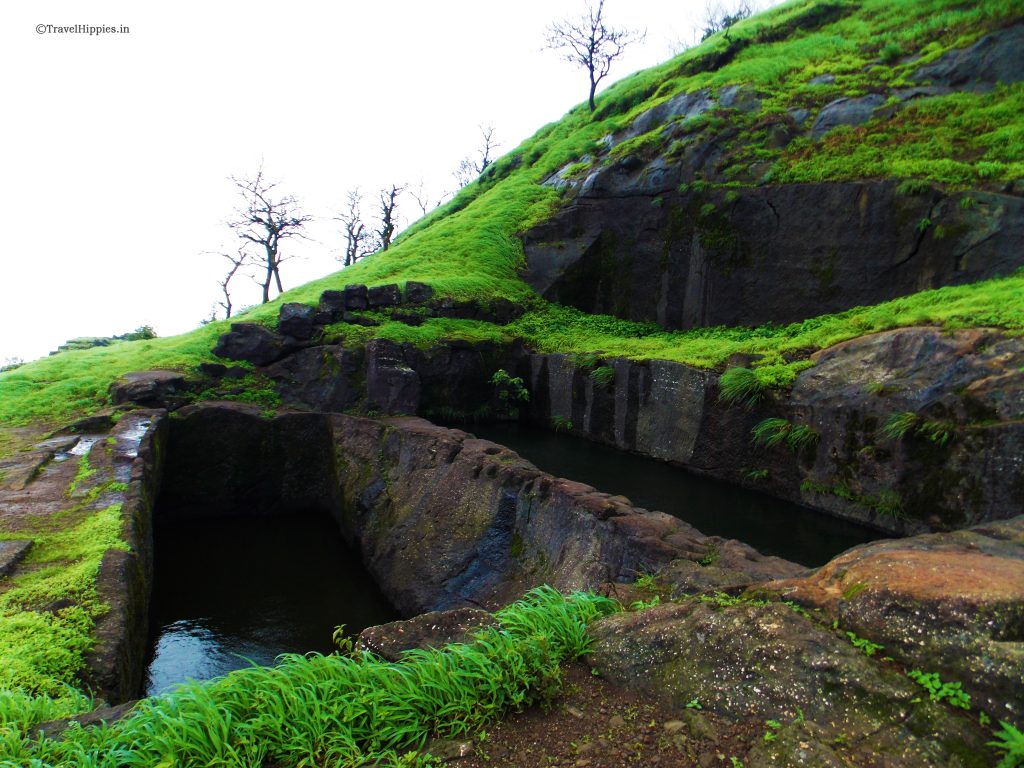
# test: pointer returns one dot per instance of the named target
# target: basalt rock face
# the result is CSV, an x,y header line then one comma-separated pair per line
x,y
959,464
632,246
677,218
227,459
444,520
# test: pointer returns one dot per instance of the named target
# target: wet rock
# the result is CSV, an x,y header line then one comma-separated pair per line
x,y
332,304
320,378
684,105
147,387
685,577
417,293
52,729
11,553
428,630
253,343
296,320
384,296
846,111
800,744
355,298
213,370
951,603
449,750
391,386
744,98
995,58
747,661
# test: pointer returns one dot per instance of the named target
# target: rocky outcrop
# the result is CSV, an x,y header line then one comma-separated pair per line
x,y
253,343
434,629
679,219
758,662
149,388
633,246
951,603
948,605
444,520
966,386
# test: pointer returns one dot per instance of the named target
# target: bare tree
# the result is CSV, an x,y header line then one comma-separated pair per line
x,y
358,239
388,206
719,17
588,42
469,168
264,219
237,261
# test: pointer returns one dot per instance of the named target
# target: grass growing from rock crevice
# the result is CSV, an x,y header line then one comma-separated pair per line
x,y
345,710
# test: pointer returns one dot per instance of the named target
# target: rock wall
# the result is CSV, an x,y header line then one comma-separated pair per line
x,y
445,520
116,664
632,246
967,384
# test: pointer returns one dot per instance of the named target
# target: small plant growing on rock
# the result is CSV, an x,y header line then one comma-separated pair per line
x,y
510,392
741,385
899,424
775,431
603,377
904,423
862,643
938,690
561,424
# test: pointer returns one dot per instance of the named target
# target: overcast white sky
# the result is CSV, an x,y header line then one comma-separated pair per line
x,y
117,148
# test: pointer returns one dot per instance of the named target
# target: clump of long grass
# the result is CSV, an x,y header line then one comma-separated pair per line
x,y
741,385
341,709
775,431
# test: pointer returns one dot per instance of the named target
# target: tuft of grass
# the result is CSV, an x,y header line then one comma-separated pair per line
x,y
741,385
898,425
775,431
603,376
339,709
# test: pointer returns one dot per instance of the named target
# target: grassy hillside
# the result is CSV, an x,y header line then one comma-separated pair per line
x,y
468,248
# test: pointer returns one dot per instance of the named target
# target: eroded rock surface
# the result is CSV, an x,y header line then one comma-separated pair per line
x,y
767,662
951,603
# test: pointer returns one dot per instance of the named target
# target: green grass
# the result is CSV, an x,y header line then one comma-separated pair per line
x,y
345,710
41,650
776,431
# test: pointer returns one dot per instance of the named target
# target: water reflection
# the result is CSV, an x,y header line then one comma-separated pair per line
x,y
773,526
228,593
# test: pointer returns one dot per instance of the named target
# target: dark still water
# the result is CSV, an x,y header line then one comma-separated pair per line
x,y
770,525
230,591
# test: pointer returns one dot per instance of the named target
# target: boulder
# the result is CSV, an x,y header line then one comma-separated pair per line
x,y
253,343
846,111
416,293
355,298
753,661
384,296
11,553
296,320
951,603
428,630
995,58
147,387
332,304
319,378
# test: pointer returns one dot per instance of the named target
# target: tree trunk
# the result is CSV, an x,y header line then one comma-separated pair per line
x,y
593,88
